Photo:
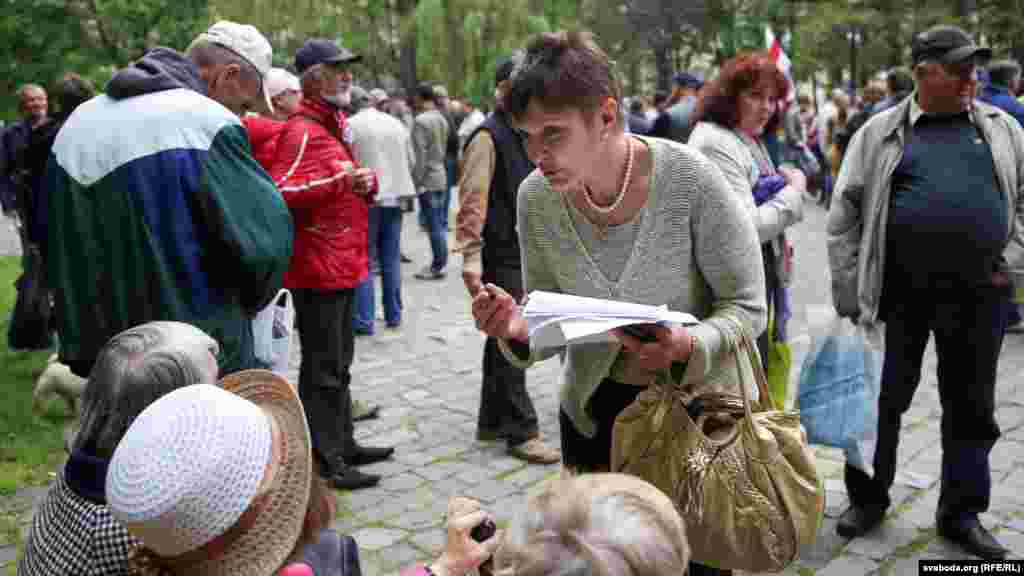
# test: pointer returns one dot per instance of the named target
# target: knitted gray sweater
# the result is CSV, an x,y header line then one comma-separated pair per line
x,y
697,251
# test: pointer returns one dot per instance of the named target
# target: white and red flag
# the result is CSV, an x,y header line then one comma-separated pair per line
x,y
781,60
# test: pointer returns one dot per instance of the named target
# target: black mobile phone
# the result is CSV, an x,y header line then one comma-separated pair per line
x,y
642,332
480,533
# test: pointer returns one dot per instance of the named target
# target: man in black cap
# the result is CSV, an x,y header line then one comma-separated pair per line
x,y
675,121
329,197
925,227
493,165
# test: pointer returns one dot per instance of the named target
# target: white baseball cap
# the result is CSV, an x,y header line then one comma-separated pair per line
x,y
378,95
246,41
279,80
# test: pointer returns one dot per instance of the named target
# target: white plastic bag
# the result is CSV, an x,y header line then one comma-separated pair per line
x,y
839,386
862,454
272,331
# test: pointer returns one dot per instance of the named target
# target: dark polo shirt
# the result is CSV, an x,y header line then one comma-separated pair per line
x,y
947,215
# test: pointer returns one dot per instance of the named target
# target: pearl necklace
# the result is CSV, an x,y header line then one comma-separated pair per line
x,y
625,185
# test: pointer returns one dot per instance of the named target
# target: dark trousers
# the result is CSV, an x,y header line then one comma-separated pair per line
x,y
1012,313
327,340
592,455
506,410
968,326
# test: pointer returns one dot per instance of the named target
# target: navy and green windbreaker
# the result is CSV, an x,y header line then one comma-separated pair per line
x,y
157,211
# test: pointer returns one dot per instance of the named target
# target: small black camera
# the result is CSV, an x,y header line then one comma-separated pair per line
x,y
483,531
480,533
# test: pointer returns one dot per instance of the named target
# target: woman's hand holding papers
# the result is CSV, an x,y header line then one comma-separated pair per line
x,y
498,315
673,344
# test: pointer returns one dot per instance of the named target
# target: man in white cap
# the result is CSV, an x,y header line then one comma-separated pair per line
x,y
264,131
285,92
158,209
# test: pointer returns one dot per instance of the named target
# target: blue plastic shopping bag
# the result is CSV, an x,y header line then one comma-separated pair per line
x,y
839,386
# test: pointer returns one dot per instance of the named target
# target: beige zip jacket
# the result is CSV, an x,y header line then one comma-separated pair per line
x,y
860,206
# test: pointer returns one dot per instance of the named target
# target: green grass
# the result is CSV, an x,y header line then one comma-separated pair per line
x,y
31,444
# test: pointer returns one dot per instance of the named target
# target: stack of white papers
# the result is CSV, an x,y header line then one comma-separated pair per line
x,y
557,319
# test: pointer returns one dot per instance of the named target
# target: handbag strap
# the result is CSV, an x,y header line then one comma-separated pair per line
x,y
742,344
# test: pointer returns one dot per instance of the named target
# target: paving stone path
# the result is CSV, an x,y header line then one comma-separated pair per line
x,y
426,377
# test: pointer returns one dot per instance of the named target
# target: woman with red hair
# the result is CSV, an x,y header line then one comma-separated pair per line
x,y
732,111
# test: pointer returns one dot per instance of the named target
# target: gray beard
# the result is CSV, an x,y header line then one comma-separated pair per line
x,y
340,100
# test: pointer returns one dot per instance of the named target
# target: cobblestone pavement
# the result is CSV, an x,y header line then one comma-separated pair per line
x,y
426,377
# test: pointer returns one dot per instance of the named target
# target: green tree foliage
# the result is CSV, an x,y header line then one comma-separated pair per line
x,y
457,42
45,38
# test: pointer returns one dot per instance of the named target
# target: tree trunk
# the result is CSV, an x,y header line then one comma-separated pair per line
x,y
663,64
407,56
456,49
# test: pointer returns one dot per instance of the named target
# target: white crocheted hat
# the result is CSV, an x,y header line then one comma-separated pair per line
x,y
188,478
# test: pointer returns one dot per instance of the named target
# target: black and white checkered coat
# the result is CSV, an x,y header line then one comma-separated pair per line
x,y
73,536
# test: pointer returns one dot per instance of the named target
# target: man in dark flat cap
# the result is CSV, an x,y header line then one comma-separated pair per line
x,y
926,227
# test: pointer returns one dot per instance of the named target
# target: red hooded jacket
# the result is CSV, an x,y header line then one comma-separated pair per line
x,y
312,167
263,136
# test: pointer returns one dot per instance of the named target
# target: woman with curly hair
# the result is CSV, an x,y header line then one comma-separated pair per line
x,y
732,113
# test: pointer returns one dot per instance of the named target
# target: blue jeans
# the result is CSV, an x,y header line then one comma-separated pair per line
x,y
432,206
385,232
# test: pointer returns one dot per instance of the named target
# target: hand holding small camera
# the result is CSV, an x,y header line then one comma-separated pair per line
x,y
472,539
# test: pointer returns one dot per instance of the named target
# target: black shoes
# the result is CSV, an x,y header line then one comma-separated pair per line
x,y
349,478
972,537
364,455
856,522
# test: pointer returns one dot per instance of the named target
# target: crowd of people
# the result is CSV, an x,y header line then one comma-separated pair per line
x,y
169,210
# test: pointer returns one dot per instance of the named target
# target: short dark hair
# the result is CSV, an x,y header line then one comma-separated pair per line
x,y
1004,72
718,101
71,91
899,80
425,91
562,70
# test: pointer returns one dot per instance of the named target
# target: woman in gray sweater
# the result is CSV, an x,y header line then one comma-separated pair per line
x,y
732,112
612,215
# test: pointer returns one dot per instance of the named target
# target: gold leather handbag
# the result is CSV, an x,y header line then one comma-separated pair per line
x,y
742,475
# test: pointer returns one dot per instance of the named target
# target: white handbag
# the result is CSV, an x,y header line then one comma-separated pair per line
x,y
273,330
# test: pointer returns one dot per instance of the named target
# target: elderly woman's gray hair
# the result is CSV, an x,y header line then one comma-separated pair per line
x,y
595,525
135,368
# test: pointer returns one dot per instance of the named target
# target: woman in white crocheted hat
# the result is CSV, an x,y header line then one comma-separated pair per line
x,y
219,480
72,530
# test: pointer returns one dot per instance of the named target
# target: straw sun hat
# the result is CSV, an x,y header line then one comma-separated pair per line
x,y
190,477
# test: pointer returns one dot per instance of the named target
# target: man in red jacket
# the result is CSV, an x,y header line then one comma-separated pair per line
x,y
329,197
